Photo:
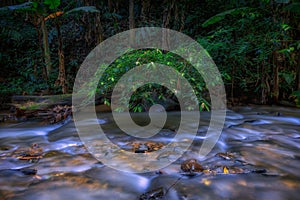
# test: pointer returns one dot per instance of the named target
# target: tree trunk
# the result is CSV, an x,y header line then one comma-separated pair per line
x,y
276,84
110,5
298,72
131,22
61,79
166,21
47,57
36,22
264,84
99,29
298,59
146,4
182,21
232,84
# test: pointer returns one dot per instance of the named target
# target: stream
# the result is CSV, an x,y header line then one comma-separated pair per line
x,y
263,160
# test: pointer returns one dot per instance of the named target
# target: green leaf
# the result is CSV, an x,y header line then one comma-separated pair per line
x,y
288,77
222,15
35,4
53,4
296,93
285,27
83,9
294,7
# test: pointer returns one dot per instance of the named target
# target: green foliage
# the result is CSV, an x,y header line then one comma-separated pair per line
x,y
53,4
149,94
243,47
7,31
222,15
294,7
19,56
248,40
297,95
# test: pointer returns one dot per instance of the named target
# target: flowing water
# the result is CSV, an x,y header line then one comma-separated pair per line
x,y
264,161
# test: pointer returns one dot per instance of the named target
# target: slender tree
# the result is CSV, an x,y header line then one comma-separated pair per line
x,y
61,79
131,22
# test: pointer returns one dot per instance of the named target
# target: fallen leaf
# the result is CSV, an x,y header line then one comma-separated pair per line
x,y
206,182
225,170
54,15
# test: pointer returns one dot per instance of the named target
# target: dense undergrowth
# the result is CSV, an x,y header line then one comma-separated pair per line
x,y
254,44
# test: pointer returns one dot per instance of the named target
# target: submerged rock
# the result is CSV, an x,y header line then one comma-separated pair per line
x,y
145,147
191,165
32,154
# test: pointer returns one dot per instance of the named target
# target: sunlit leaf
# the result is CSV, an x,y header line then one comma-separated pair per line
x,y
54,15
206,182
106,102
225,170
285,27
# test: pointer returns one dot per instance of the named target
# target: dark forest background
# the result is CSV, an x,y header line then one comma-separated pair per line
x,y
255,44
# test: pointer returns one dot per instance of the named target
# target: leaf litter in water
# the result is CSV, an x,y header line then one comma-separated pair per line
x,y
31,154
191,167
157,193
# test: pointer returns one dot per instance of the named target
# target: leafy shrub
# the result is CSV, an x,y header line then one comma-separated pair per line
x,y
149,94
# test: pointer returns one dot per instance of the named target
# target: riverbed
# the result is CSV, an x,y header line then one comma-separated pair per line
x,y
258,147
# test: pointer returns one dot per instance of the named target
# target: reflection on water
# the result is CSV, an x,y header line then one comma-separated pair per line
x,y
260,138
